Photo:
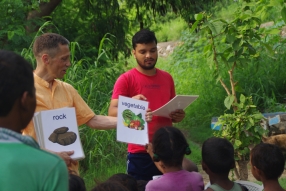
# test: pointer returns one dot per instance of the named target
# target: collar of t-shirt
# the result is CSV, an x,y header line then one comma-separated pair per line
x,y
9,136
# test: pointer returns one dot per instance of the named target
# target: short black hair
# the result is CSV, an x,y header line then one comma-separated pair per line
x,y
170,146
16,77
218,155
48,42
76,183
141,185
269,159
144,36
110,186
126,180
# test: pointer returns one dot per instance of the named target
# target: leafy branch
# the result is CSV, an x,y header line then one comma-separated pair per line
x,y
232,45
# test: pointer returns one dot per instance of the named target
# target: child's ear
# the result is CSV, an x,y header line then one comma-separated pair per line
x,y
204,166
258,171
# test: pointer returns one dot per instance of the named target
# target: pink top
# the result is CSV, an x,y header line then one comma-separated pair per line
x,y
181,180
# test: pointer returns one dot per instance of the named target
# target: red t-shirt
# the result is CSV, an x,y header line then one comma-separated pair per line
x,y
158,89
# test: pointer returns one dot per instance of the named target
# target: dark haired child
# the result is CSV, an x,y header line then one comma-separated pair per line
x,y
110,186
267,165
126,180
141,185
76,183
167,151
217,161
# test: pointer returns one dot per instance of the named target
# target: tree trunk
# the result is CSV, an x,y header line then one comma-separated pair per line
x,y
141,25
45,9
243,170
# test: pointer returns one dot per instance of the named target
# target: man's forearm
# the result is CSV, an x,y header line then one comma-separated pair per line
x,y
102,122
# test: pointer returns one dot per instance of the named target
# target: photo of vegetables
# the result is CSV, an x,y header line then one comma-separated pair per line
x,y
133,121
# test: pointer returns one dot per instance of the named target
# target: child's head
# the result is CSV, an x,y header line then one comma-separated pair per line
x,y
169,146
218,155
126,180
141,185
267,159
76,183
110,186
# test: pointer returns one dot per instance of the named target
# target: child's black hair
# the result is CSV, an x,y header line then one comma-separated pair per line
x,y
110,186
141,185
170,146
269,159
218,155
126,180
76,183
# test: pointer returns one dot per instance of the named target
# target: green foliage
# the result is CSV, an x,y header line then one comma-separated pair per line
x,y
94,83
233,45
169,30
242,128
282,182
262,78
93,72
27,52
13,24
89,22
86,22
148,9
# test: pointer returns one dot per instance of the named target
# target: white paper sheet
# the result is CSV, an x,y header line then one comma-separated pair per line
x,y
178,102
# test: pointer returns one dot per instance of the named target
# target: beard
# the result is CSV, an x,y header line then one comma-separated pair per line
x,y
149,66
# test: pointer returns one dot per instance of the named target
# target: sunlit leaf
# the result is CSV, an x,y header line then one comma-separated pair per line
x,y
228,101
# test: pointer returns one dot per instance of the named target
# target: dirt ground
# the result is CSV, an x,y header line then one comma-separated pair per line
x,y
166,48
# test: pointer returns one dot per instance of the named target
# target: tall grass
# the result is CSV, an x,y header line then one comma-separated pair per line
x,y
94,82
169,30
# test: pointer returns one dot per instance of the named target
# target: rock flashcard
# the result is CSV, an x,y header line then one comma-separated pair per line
x,y
57,130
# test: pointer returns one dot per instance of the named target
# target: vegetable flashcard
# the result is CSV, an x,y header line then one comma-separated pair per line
x,y
131,124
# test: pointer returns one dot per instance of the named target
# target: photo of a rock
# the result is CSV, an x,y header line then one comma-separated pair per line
x,y
62,136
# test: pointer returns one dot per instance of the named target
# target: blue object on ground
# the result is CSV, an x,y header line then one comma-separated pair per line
x,y
213,122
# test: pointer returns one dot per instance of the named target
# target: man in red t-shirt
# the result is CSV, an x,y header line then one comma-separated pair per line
x,y
148,83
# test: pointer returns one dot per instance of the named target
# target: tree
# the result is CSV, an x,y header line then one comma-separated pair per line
x,y
86,22
146,10
232,45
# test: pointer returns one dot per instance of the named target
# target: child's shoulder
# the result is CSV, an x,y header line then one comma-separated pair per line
x,y
236,187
